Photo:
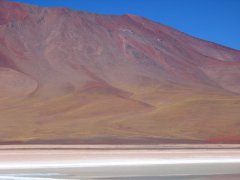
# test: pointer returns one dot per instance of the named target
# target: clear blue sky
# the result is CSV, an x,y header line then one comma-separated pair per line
x,y
214,20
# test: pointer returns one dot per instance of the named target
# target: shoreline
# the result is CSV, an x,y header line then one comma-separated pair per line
x,y
76,156
118,147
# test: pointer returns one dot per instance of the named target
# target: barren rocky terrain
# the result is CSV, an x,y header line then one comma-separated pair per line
x,y
69,76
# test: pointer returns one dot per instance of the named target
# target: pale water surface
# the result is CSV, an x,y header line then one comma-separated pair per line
x,y
152,172
114,163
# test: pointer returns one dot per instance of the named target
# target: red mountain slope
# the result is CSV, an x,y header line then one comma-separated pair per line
x,y
68,75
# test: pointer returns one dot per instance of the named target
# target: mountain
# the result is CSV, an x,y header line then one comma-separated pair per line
x,y
69,76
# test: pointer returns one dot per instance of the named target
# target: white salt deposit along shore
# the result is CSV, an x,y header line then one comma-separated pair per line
x,y
44,156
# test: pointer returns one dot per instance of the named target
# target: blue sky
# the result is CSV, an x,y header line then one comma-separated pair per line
x,y
214,20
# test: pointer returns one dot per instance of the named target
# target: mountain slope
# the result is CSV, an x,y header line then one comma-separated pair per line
x,y
69,75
